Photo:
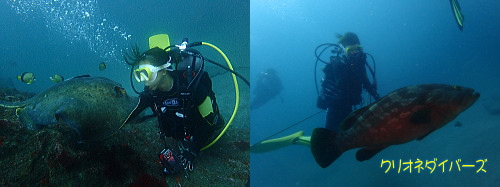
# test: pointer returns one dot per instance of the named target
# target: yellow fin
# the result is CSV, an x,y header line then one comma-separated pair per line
x,y
160,40
297,138
457,12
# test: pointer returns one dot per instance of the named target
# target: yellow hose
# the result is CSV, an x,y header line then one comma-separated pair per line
x,y
237,92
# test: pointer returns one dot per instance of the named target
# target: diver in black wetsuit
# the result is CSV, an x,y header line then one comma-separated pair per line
x,y
268,87
182,99
344,79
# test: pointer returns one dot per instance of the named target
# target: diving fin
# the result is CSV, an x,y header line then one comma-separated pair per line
x,y
278,143
457,12
160,40
302,140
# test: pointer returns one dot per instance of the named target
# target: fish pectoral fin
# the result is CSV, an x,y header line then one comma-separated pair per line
x,y
324,146
368,152
64,119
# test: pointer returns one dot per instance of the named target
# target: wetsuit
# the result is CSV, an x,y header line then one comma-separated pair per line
x,y
342,86
180,114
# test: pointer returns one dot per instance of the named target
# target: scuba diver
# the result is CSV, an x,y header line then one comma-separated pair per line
x,y
341,88
179,92
268,86
345,77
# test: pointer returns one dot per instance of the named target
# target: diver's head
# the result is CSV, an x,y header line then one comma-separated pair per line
x,y
348,39
270,72
350,42
154,69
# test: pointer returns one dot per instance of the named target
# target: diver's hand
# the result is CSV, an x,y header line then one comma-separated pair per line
x,y
187,159
188,153
329,90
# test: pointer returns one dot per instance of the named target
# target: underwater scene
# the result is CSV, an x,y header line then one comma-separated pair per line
x,y
374,93
76,73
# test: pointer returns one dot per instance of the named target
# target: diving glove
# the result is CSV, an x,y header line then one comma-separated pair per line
x,y
187,159
187,154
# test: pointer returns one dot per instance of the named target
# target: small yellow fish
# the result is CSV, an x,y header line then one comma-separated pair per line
x,y
102,66
56,78
27,77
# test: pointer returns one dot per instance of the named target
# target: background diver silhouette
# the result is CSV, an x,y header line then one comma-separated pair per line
x,y
268,87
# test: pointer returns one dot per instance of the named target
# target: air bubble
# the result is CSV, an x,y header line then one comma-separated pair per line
x,y
77,20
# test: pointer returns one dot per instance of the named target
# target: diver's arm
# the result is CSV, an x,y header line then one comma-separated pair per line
x,y
143,104
207,103
374,93
328,84
210,112
369,87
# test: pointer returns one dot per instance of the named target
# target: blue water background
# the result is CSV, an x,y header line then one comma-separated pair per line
x,y
413,42
72,37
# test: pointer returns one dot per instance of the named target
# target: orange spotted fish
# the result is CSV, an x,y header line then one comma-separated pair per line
x,y
404,115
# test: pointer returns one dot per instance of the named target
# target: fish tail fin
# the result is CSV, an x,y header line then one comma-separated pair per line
x,y
324,146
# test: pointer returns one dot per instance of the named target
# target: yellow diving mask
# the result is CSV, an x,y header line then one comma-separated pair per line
x,y
353,49
148,72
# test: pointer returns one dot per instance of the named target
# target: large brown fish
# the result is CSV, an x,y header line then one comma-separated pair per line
x,y
95,107
403,115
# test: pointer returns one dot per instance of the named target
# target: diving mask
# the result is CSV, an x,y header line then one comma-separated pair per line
x,y
148,72
353,50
